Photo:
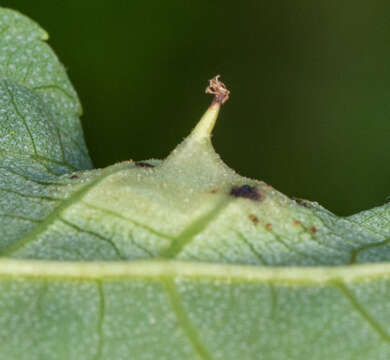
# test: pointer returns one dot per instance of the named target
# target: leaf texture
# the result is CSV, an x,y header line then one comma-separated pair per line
x,y
174,259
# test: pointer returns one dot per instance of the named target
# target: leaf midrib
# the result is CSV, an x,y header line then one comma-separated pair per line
x,y
156,269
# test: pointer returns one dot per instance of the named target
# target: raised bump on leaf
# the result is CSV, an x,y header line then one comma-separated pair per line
x,y
195,154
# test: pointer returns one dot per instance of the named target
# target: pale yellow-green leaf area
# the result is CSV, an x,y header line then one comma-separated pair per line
x,y
180,258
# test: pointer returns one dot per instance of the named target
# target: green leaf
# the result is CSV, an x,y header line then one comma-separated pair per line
x,y
39,107
174,259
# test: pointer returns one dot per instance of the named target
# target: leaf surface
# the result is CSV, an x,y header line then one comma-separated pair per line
x,y
174,259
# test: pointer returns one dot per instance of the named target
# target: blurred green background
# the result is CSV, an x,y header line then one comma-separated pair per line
x,y
310,81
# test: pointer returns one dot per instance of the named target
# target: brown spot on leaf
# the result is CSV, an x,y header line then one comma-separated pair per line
x,y
268,226
245,191
297,223
214,191
254,218
313,229
74,177
143,164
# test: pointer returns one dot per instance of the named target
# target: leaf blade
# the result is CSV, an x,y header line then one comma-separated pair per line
x,y
208,264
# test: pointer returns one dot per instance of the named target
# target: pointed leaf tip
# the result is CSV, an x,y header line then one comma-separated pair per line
x,y
206,124
218,88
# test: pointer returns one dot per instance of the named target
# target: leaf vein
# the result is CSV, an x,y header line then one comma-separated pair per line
x,y
184,321
120,216
13,172
12,99
355,252
252,248
17,217
92,233
373,323
188,234
41,197
102,306
53,216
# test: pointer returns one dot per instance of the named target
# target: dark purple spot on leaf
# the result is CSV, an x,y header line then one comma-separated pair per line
x,y
143,164
302,203
245,191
